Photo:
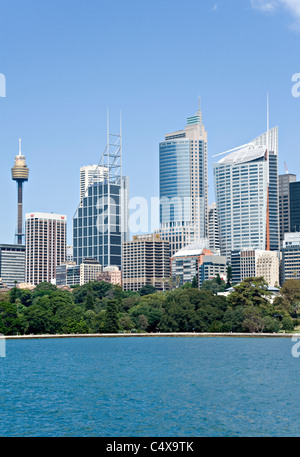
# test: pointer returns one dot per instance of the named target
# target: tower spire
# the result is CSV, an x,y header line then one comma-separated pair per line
x,y
20,174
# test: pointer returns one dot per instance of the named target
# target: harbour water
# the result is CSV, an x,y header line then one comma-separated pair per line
x,y
131,387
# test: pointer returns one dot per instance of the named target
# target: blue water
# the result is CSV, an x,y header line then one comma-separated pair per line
x,y
171,387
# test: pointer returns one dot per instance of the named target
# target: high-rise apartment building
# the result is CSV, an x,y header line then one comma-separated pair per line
x,y
12,264
145,260
246,188
213,229
284,203
183,184
45,235
295,206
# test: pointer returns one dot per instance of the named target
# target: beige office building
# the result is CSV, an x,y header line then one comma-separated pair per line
x,y
89,270
145,260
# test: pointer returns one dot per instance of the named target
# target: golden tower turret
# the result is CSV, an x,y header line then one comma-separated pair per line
x,y
20,173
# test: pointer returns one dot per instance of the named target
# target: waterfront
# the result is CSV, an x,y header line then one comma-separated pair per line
x,y
149,387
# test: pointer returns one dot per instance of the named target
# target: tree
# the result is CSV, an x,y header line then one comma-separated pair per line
x,y
44,288
147,289
111,319
214,285
250,292
39,320
89,301
229,276
287,323
195,283
253,321
289,297
143,322
126,322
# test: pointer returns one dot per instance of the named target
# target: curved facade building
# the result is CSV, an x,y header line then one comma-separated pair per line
x,y
246,188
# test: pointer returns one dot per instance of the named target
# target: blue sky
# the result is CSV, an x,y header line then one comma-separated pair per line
x,y
66,62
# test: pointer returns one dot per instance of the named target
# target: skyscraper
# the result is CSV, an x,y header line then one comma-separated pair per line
x,y
45,246
284,203
100,224
90,174
246,188
213,229
295,206
20,174
183,184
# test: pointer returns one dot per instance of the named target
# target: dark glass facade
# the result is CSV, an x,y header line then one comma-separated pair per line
x,y
295,206
175,181
97,225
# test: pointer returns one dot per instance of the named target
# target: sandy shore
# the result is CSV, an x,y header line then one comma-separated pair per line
x,y
155,335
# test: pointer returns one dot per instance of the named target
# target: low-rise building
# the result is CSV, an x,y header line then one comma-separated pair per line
x,y
291,256
111,274
12,264
89,270
196,261
247,263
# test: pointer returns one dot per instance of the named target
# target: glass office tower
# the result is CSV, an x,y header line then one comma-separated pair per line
x,y
284,203
97,225
246,187
183,184
100,224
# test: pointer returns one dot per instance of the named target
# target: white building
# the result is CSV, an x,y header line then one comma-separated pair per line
x,y
213,229
246,188
90,174
45,235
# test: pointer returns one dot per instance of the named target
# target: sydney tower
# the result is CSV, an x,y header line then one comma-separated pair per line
x,y
20,173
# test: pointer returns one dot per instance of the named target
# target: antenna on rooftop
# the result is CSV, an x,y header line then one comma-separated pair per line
x,y
286,168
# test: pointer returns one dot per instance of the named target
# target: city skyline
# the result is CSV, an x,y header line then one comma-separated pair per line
x,y
58,89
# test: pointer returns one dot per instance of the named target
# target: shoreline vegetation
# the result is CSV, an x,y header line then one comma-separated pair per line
x,y
157,335
101,309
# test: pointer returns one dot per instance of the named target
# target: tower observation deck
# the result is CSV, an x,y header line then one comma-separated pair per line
x,y
20,173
